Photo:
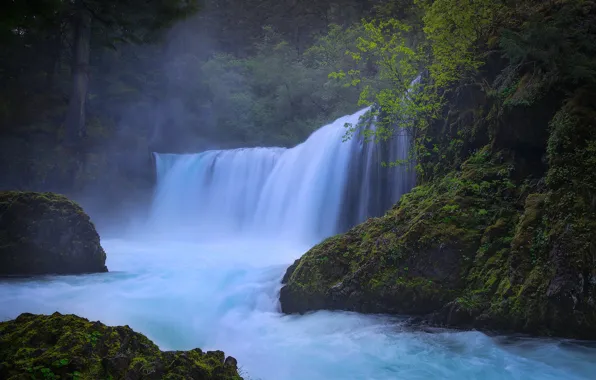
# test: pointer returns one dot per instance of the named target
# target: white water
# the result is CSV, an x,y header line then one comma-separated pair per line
x,y
207,274
302,194
223,296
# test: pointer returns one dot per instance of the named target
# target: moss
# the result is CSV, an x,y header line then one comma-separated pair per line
x,y
493,236
545,275
69,347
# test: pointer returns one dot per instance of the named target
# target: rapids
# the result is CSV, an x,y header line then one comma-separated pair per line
x,y
224,296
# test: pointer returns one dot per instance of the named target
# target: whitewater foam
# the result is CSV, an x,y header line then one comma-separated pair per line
x,y
224,296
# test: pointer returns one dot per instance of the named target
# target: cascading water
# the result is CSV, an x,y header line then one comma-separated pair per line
x,y
305,193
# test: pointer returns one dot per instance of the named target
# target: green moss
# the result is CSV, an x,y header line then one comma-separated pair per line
x,y
384,277
67,347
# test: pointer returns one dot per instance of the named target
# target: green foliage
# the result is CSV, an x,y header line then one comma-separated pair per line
x,y
281,70
60,363
385,44
419,53
551,48
456,32
278,95
38,36
93,338
452,44
42,372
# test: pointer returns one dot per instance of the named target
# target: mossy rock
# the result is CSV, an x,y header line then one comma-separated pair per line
x,y
46,233
412,260
468,250
69,347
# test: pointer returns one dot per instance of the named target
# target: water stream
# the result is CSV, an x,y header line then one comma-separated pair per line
x,y
224,296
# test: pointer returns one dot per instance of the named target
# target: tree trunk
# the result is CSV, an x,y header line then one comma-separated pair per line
x,y
54,50
75,118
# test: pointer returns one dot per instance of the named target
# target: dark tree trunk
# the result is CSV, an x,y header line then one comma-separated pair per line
x,y
75,118
53,52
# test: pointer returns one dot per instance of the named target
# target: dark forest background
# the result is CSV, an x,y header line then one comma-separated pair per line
x,y
167,76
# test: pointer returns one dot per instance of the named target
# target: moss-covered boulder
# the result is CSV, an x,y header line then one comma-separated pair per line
x,y
69,347
414,259
471,249
46,233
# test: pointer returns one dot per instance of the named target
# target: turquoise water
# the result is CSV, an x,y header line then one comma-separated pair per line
x,y
224,296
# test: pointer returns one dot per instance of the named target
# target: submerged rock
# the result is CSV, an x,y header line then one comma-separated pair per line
x,y
46,233
70,347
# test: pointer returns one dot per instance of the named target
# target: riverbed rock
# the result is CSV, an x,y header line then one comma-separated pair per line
x,y
46,233
70,347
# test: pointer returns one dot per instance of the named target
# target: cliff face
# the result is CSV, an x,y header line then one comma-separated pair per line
x,y
46,233
501,232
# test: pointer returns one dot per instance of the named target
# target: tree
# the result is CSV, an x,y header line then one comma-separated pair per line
x,y
133,21
75,117
30,35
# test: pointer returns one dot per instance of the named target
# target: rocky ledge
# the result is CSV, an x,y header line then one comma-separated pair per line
x,y
69,347
46,233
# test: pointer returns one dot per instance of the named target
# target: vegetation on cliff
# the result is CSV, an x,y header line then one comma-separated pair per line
x,y
69,347
500,232
46,233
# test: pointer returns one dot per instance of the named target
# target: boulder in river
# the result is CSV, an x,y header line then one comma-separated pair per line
x,y
70,347
467,250
46,233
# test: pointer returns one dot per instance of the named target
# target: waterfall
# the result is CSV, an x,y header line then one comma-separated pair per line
x,y
316,189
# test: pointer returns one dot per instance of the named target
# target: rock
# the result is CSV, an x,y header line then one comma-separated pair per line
x,y
500,234
407,262
289,272
466,250
46,233
70,347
